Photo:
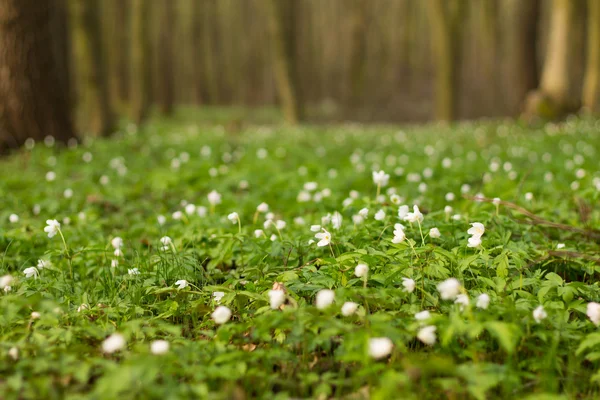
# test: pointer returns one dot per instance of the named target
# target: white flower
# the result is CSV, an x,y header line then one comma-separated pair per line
x,y
539,314
5,281
50,176
422,316
68,193
218,296
133,271
201,211
347,202
349,308
166,241
528,196
221,315
114,263
336,220
52,228
380,347
117,242
31,271
380,178
273,237
324,298
324,238
262,208
496,201
380,215
13,218
483,301
434,233
177,215
303,196
13,353
310,186
280,224
560,246
258,233
403,212
114,342
161,219
463,300
427,335
276,298
214,198
299,221
395,199
159,347
35,315
190,209
118,253
181,284
364,212
474,241
399,234
315,228
357,219
233,217
477,229
414,216
448,210
361,270
449,289
41,264
456,217
593,312
409,285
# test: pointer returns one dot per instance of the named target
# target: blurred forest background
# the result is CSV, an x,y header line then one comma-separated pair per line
x,y
79,66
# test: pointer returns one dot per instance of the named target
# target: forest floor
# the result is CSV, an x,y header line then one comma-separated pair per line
x,y
147,266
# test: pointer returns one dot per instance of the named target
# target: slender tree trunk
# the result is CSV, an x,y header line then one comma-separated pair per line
x,y
591,83
62,45
554,96
33,101
94,89
280,23
520,51
446,17
140,62
167,57
122,15
489,41
358,51
197,40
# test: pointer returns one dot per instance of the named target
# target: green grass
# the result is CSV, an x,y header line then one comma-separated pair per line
x,y
300,351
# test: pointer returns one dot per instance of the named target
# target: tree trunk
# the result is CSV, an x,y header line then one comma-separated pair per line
x,y
97,115
197,50
140,62
282,41
489,46
33,101
122,15
591,83
358,51
167,56
554,96
446,18
520,51
62,46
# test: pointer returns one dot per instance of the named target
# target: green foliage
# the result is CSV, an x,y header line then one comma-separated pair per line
x,y
301,351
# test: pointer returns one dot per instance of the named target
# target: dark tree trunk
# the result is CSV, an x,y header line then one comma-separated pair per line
x,y
166,59
98,115
140,62
521,64
281,23
33,101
